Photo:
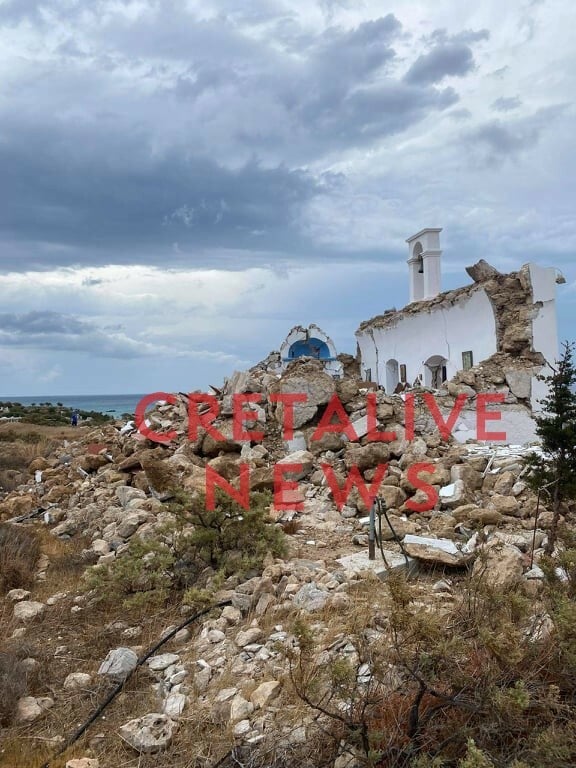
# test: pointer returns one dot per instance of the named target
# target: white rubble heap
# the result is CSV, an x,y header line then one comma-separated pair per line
x,y
113,484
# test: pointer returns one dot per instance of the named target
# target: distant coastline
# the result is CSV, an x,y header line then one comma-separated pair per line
x,y
111,405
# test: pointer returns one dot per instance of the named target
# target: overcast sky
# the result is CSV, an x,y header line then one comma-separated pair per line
x,y
182,181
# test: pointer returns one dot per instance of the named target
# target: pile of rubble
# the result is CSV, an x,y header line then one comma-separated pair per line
x,y
112,487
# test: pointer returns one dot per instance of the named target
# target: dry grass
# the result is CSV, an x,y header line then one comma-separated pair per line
x,y
12,685
18,447
19,551
21,431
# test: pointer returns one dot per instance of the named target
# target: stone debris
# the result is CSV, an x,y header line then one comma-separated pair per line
x,y
231,666
30,708
28,610
118,664
443,551
149,734
77,681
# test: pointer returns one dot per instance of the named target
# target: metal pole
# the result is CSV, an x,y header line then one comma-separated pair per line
x,y
535,527
372,534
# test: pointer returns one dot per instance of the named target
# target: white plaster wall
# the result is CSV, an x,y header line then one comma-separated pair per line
x,y
515,422
544,324
468,325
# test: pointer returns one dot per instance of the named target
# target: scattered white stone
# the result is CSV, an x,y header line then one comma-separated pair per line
x,y
240,709
27,710
30,708
28,610
83,762
182,636
56,598
175,705
534,573
163,661
310,598
100,546
150,733
436,550
178,677
231,614
77,681
118,664
248,637
265,693
225,694
16,595
242,728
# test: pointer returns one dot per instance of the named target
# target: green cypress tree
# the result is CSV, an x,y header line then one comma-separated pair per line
x,y
556,428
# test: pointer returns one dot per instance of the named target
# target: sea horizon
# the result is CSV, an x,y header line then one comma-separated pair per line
x,y
113,405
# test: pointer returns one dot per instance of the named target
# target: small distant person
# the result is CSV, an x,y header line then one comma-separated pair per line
x,y
74,419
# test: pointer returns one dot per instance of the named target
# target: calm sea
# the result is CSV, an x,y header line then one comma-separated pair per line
x,y
113,405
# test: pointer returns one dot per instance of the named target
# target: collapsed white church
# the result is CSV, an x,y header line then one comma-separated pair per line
x,y
504,324
496,335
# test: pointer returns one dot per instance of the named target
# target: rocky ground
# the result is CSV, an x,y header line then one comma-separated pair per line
x,y
222,689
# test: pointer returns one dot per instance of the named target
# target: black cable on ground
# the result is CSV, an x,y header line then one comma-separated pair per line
x,y
112,695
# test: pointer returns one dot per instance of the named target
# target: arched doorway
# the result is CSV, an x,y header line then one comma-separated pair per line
x,y
392,375
435,373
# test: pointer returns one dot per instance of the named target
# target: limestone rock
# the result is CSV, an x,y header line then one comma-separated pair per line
x,y
393,497
504,483
83,762
148,734
303,458
125,494
30,708
251,635
482,271
471,478
240,709
453,495
310,598
28,610
130,524
329,441
506,505
310,381
242,728
265,693
76,681
17,595
163,661
27,710
118,664
366,456
502,565
473,514
227,465
400,527
231,614
442,551
174,705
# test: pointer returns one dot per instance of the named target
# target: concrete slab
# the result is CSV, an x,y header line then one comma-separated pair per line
x,y
359,562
